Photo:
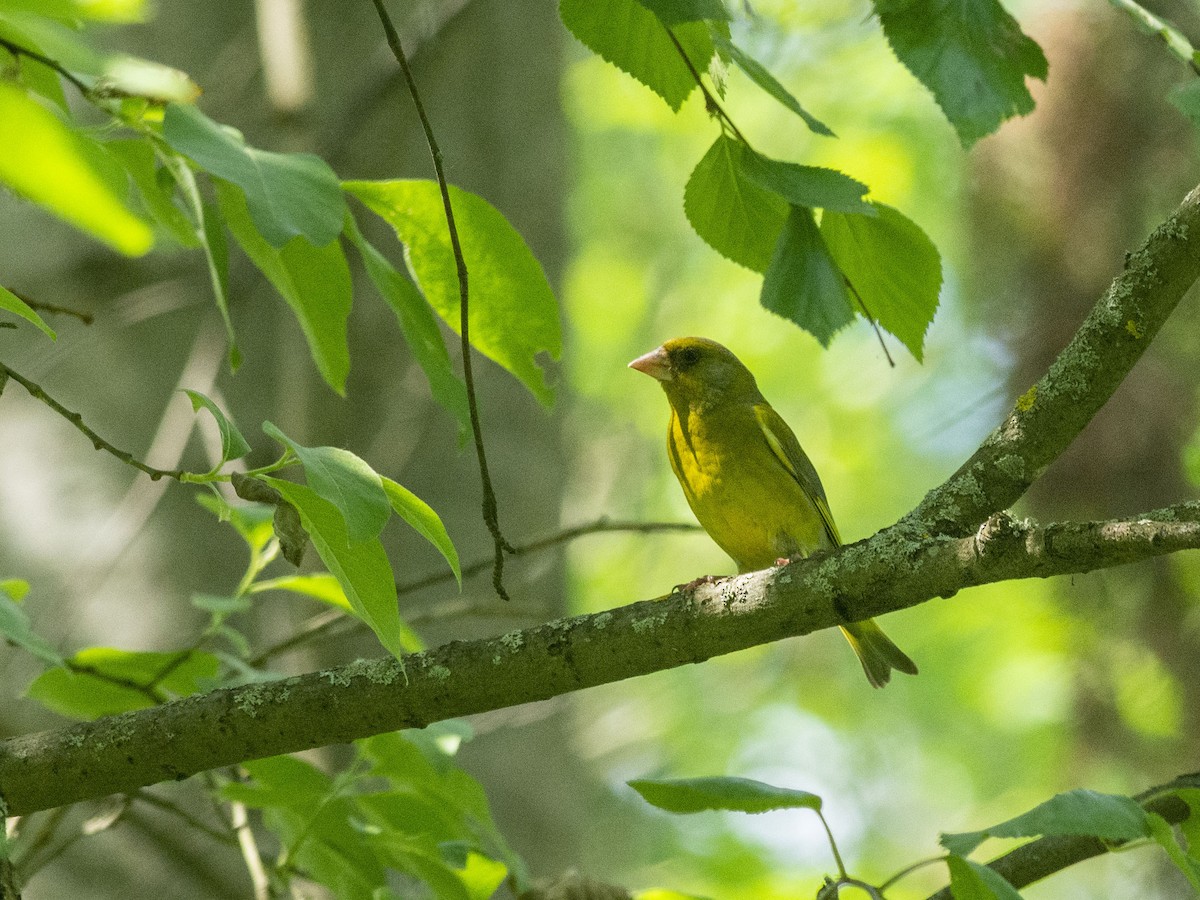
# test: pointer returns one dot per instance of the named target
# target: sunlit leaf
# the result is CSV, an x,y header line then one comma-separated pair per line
x,y
764,79
692,795
97,10
973,57
14,304
418,325
673,12
633,39
45,162
362,568
971,881
52,39
1107,816
315,281
514,315
104,681
803,283
893,266
128,75
736,217
346,481
420,515
289,195
319,585
233,445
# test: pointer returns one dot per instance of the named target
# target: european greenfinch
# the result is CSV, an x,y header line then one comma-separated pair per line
x,y
745,477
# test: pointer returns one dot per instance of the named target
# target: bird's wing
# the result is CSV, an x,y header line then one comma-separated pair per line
x,y
787,450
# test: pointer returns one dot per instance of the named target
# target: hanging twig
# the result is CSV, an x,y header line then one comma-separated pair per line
x,y
491,514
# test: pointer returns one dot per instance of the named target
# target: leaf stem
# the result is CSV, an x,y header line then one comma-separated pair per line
x,y
870,318
491,513
709,100
18,50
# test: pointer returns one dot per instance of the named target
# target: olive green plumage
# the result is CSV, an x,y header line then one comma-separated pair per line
x,y
746,477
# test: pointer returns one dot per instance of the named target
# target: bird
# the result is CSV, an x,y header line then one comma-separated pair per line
x,y
746,478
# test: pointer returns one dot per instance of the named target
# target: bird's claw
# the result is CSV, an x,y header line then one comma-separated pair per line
x,y
696,582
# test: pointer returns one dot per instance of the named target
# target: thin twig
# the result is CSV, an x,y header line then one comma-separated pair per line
x,y
175,809
870,318
35,390
320,625
84,317
18,50
491,513
709,100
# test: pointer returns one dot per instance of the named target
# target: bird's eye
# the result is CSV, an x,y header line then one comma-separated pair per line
x,y
687,357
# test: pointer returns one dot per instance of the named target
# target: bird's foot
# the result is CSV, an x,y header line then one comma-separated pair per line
x,y
696,582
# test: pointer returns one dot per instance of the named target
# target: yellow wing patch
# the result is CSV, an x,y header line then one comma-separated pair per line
x,y
769,422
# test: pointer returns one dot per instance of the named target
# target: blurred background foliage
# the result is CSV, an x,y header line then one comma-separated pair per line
x,y
1026,689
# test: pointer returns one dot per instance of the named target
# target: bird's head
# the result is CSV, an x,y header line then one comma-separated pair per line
x,y
697,371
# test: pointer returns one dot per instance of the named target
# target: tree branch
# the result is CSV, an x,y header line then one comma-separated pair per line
x,y
935,551
178,739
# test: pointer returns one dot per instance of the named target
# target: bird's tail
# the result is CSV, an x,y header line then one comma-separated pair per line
x,y
876,652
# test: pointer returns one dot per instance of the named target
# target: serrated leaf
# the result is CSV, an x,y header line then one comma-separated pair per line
x,y
289,195
893,266
513,312
692,795
346,481
674,12
361,568
803,283
106,681
315,281
15,626
758,73
418,325
233,445
49,164
971,881
632,38
14,304
1106,816
800,185
736,217
973,57
420,515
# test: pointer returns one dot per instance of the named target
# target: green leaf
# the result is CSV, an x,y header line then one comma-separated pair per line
x,y
972,881
103,681
344,480
129,76
96,10
675,12
1186,98
736,217
1164,835
803,185
315,281
137,157
514,316
216,255
1106,816
894,267
418,325
361,568
665,894
692,795
1190,827
15,626
233,445
765,80
42,80
14,304
420,515
632,38
320,586
972,56
289,194
47,163
251,520
52,39
803,283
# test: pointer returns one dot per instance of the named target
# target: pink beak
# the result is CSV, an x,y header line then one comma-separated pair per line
x,y
656,364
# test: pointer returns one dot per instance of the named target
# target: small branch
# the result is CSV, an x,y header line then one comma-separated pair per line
x,y
179,812
35,390
1038,859
491,512
84,317
709,100
18,50
320,625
